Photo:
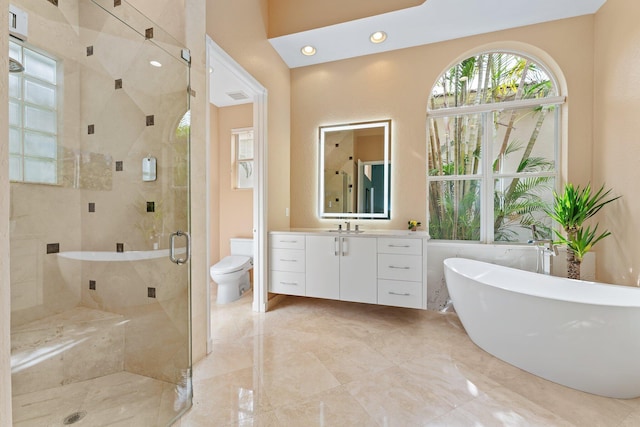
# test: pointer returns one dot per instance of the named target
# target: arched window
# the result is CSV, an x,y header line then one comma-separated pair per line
x,y
493,131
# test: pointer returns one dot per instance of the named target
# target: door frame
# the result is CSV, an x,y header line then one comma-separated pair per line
x,y
258,94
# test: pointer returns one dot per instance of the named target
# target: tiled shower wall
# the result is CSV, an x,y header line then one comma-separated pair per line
x,y
117,110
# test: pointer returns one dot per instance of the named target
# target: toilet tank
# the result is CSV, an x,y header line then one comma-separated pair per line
x,y
240,246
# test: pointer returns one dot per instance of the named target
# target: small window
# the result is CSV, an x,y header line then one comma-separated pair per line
x,y
242,157
33,117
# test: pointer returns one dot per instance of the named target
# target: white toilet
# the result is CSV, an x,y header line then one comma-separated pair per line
x,y
231,273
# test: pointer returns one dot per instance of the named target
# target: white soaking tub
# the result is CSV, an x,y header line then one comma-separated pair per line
x,y
583,335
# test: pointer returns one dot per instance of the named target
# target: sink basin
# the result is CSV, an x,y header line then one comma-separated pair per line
x,y
333,230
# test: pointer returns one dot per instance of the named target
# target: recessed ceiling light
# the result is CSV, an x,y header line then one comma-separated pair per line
x,y
155,64
308,50
378,37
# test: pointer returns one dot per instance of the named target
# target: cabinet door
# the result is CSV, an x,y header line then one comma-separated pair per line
x,y
358,270
323,267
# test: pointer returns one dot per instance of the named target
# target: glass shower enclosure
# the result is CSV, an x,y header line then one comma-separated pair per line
x,y
99,148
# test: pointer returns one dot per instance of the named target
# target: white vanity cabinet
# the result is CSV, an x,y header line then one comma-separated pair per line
x,y
400,272
376,268
287,264
341,267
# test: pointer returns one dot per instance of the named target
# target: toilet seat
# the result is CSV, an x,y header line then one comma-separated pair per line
x,y
231,264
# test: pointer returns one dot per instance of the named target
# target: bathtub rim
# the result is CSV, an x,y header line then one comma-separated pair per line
x,y
550,287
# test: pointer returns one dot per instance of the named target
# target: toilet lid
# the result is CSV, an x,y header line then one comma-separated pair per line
x,y
230,264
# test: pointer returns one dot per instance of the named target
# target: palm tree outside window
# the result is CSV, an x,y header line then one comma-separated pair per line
x,y
493,131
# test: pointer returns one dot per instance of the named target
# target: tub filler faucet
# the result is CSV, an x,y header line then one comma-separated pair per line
x,y
543,254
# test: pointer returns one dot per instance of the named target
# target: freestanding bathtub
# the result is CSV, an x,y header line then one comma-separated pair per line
x,y
579,334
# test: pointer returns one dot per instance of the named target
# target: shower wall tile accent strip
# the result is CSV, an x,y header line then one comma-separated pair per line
x,y
151,292
119,84
92,207
53,248
119,247
89,50
92,285
119,166
148,33
150,120
91,129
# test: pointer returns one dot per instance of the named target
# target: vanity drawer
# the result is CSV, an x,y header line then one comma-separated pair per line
x,y
400,267
388,245
287,260
284,282
286,241
400,294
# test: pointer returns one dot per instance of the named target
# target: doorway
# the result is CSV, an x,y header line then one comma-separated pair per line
x,y
228,79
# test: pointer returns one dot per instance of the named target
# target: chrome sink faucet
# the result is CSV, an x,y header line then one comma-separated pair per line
x,y
348,225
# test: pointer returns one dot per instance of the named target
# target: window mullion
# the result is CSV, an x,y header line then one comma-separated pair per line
x,y
486,203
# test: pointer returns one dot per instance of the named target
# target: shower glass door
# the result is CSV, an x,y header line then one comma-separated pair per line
x,y
99,148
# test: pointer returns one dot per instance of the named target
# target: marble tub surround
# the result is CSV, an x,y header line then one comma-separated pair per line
x,y
368,365
522,257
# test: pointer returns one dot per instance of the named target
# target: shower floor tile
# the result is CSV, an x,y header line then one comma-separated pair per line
x,y
121,399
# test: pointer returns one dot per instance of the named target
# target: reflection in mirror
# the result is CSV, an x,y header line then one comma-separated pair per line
x,y
354,165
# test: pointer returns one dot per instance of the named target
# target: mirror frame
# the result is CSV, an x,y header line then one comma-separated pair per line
x,y
323,130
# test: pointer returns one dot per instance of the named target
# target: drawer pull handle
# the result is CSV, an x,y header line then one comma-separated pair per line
x,y
400,268
288,241
288,260
399,246
399,294
289,283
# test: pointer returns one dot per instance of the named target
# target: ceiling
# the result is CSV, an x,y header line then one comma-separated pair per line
x,y
431,22
225,89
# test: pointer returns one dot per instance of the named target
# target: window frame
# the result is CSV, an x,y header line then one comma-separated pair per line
x,y
487,176
235,160
23,104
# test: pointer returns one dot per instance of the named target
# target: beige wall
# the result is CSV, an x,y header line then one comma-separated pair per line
x,y
292,16
616,151
236,206
240,28
396,85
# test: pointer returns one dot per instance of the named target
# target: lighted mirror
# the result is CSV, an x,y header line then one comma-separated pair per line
x,y
354,170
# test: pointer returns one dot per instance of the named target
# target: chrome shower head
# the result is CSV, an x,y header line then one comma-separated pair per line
x,y
15,66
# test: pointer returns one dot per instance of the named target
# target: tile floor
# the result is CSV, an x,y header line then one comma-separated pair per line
x,y
312,362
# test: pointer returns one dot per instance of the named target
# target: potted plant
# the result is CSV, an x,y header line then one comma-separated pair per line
x,y
570,209
413,224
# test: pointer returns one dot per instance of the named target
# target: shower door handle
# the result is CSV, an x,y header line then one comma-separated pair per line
x,y
172,247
